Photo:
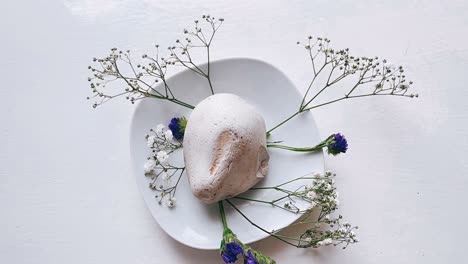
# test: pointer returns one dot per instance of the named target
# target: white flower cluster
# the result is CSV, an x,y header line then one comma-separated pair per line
x,y
149,166
343,234
337,234
327,241
170,202
157,166
162,144
322,192
347,231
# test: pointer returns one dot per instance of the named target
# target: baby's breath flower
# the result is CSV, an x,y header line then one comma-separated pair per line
x,y
158,169
325,242
336,201
321,194
159,130
149,166
311,195
151,140
162,156
171,202
168,135
330,67
110,72
165,177
312,205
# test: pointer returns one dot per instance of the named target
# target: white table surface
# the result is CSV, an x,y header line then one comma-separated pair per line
x,y
67,194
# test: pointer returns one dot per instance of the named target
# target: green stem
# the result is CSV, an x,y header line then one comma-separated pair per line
x,y
347,96
273,203
181,103
283,122
211,85
223,215
277,236
208,70
306,149
277,187
317,147
253,200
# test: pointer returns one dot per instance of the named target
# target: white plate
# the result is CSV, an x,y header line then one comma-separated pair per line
x,y
192,222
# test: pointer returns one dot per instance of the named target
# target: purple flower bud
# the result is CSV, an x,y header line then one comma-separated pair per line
x,y
249,258
337,144
177,127
230,252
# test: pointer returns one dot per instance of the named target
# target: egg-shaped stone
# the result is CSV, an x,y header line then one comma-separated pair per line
x,y
225,150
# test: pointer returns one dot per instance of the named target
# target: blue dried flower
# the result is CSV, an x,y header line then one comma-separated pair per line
x,y
177,127
230,252
249,258
337,144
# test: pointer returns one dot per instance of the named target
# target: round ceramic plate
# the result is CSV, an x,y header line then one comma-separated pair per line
x,y
192,222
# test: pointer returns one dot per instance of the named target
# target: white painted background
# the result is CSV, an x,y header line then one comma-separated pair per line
x,y
67,194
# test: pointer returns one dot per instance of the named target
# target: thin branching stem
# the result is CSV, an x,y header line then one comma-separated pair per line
x,y
383,78
142,80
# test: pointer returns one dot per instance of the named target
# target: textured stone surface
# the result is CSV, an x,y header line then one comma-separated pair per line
x,y
224,147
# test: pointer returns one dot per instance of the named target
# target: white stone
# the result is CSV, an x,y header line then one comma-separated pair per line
x,y
224,147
